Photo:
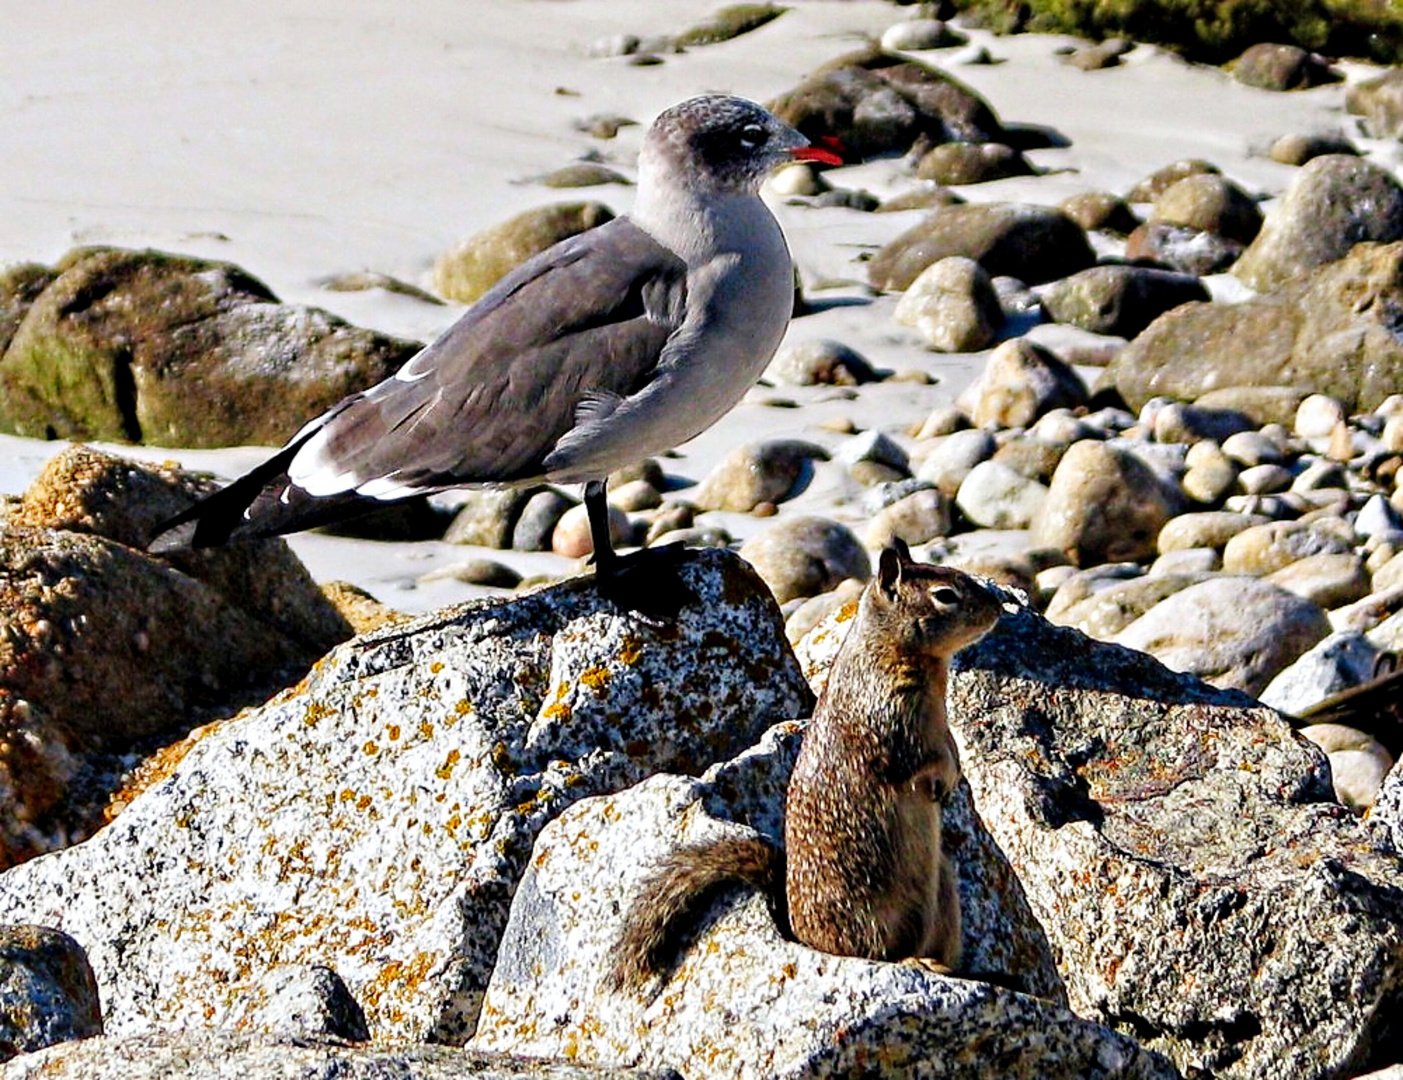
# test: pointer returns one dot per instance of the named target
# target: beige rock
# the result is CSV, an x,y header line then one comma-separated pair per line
x,y
1234,632
1021,381
953,305
1103,505
1330,580
1210,529
1262,549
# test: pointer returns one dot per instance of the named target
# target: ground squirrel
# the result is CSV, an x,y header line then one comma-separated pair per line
x,y
863,871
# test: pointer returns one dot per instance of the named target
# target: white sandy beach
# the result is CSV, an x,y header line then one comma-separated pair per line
x,y
316,139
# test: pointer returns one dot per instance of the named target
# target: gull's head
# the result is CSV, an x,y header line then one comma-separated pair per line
x,y
723,144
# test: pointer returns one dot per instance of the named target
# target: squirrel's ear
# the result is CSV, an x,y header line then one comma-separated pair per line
x,y
889,569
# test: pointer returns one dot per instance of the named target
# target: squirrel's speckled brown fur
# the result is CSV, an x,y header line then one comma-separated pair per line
x,y
863,869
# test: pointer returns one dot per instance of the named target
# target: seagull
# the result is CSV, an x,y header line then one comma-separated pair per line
x,y
611,346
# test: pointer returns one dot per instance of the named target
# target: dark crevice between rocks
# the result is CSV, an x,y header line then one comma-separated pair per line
x,y
124,394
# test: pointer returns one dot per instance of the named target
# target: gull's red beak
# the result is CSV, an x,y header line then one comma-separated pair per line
x,y
825,150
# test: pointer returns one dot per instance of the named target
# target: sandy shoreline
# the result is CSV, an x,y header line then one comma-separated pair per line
x,y
312,141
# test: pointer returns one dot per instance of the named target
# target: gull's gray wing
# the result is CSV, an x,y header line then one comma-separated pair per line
x,y
556,342
578,325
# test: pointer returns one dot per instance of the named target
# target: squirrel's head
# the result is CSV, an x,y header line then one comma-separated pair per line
x,y
936,608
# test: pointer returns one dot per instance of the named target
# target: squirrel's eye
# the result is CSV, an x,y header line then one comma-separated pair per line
x,y
752,135
945,595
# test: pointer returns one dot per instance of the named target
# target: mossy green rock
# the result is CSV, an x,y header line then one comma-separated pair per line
x,y
470,269
1214,31
729,22
1032,243
1332,331
142,346
876,102
20,286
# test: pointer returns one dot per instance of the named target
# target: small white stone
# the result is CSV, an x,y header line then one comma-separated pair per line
x,y
1317,416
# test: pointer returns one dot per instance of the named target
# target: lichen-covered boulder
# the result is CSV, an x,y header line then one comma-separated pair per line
x,y
47,991
1032,243
1329,331
745,1002
220,1055
1182,848
876,102
377,818
105,650
141,346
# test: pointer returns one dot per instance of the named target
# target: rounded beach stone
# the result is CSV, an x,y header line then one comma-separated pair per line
x,y
820,363
1333,203
954,163
1343,659
1182,248
1329,579
1162,179
953,305
572,537
1358,762
1100,210
474,266
539,516
1318,415
875,446
1180,423
1108,611
1271,66
1210,203
1033,243
48,993
1104,505
1118,299
916,519
487,516
1021,381
756,473
1209,480
488,572
916,34
1209,529
1263,549
1253,448
635,495
994,496
805,556
1234,632
954,456
1192,560
1296,149
942,420
1264,479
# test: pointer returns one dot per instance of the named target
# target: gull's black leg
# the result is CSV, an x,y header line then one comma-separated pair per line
x,y
646,581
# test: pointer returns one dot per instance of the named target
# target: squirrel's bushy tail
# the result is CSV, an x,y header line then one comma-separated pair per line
x,y
679,891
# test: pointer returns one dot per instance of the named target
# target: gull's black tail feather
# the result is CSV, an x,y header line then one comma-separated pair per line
x,y
261,503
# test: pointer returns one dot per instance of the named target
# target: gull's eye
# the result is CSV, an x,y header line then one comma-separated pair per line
x,y
752,136
945,595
